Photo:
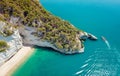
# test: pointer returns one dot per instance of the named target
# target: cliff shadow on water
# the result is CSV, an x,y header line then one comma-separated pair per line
x,y
49,49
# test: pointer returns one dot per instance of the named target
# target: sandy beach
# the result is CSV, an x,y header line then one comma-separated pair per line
x,y
10,66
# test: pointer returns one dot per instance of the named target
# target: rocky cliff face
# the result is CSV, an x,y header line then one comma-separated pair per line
x,y
29,39
15,43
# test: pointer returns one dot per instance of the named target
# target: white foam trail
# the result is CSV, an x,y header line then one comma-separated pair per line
x,y
84,65
91,56
107,43
79,72
88,60
91,69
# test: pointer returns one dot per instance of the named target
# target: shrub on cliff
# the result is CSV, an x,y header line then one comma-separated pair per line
x,y
3,45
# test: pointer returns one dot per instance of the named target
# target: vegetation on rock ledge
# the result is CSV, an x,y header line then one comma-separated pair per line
x,y
48,27
3,45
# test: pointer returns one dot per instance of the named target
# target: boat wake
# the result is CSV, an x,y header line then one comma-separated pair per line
x,y
108,45
106,41
103,62
77,73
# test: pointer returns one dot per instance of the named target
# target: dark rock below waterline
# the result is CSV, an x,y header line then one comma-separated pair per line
x,y
88,36
84,37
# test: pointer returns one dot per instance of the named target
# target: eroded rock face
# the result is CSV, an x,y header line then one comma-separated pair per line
x,y
15,43
30,39
14,20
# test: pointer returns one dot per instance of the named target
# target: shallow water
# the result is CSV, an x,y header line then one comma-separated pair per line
x,y
102,18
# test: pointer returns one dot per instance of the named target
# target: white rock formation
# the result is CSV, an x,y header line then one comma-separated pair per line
x,y
15,43
34,40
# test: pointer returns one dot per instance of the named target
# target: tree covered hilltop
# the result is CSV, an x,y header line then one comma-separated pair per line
x,y
39,26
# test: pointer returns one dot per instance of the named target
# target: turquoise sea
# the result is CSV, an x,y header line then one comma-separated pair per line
x,y
99,17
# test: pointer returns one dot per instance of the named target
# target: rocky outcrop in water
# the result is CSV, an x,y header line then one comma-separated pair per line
x,y
86,35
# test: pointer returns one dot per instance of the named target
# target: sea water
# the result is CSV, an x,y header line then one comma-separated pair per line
x,y
99,17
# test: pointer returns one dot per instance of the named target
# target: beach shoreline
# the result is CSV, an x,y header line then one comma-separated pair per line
x,y
8,68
